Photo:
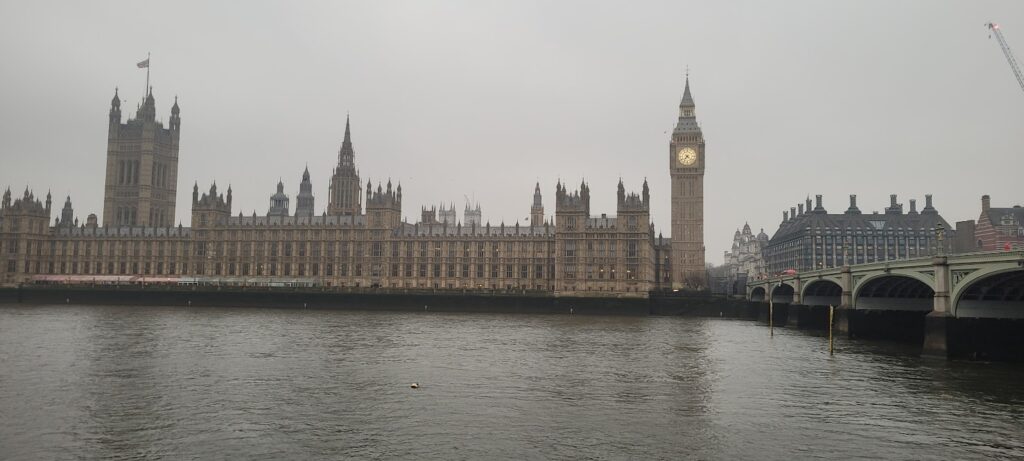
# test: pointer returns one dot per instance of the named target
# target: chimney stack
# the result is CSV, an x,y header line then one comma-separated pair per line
x,y
986,202
913,206
785,216
817,204
800,208
792,213
928,208
893,208
853,205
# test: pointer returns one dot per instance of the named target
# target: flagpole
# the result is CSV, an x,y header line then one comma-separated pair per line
x,y
146,93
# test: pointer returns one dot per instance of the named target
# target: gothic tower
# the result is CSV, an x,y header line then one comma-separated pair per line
x,y
278,202
142,167
472,215
537,210
383,208
304,201
686,168
345,191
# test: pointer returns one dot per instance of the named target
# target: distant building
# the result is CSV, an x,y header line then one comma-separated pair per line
x,y
999,228
964,241
814,239
745,260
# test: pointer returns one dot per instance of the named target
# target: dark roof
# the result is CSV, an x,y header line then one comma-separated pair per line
x,y
995,215
795,228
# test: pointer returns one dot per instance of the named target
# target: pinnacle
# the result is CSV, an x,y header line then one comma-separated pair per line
x,y
687,97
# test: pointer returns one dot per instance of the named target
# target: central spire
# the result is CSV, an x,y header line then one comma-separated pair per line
x,y
346,154
348,132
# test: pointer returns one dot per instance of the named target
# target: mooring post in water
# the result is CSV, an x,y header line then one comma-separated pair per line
x,y
831,315
771,317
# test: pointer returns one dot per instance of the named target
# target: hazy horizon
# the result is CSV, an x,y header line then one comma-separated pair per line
x,y
485,99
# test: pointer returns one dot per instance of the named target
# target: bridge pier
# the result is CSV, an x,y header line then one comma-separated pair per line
x,y
807,317
939,322
937,335
793,314
841,321
779,314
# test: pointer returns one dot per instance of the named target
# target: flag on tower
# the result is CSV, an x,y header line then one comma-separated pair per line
x,y
143,64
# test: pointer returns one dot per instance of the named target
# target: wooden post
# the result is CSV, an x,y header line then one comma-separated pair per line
x,y
771,316
831,315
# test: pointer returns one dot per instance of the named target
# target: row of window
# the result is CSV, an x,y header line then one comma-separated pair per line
x,y
522,271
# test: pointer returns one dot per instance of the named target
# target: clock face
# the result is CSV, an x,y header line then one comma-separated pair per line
x,y
686,156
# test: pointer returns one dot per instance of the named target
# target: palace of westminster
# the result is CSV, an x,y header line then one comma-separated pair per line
x,y
360,240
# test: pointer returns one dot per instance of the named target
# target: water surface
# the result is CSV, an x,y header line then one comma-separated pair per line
x,y
117,382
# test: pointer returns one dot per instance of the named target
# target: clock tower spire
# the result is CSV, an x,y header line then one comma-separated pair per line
x,y
686,168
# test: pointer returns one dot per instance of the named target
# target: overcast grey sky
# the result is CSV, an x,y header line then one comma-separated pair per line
x,y
483,99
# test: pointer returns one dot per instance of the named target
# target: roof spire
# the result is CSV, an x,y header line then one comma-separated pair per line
x,y
346,154
687,98
348,131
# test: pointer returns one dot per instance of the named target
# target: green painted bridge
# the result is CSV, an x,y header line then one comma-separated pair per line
x,y
942,289
989,285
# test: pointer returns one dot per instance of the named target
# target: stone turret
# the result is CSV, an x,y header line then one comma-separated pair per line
x,y
67,214
472,215
279,202
211,209
115,113
633,209
428,215
447,215
384,207
577,201
304,201
537,209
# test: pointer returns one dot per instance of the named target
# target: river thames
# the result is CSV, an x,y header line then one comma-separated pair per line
x,y
115,382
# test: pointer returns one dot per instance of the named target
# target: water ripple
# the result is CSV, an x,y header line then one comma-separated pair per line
x,y
153,383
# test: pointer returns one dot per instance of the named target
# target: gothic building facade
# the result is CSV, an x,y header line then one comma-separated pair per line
x,y
745,261
361,239
142,166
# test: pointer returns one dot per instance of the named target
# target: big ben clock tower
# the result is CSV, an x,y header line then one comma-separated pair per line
x,y
686,167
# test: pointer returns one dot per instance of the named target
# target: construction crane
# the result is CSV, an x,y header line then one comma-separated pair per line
x,y
1006,51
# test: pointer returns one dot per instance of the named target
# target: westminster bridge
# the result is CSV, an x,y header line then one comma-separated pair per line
x,y
965,304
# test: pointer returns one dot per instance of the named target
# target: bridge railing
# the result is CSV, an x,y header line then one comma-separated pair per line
x,y
952,258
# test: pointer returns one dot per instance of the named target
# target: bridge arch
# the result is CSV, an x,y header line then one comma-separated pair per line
x,y
822,292
996,292
758,294
900,291
782,293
